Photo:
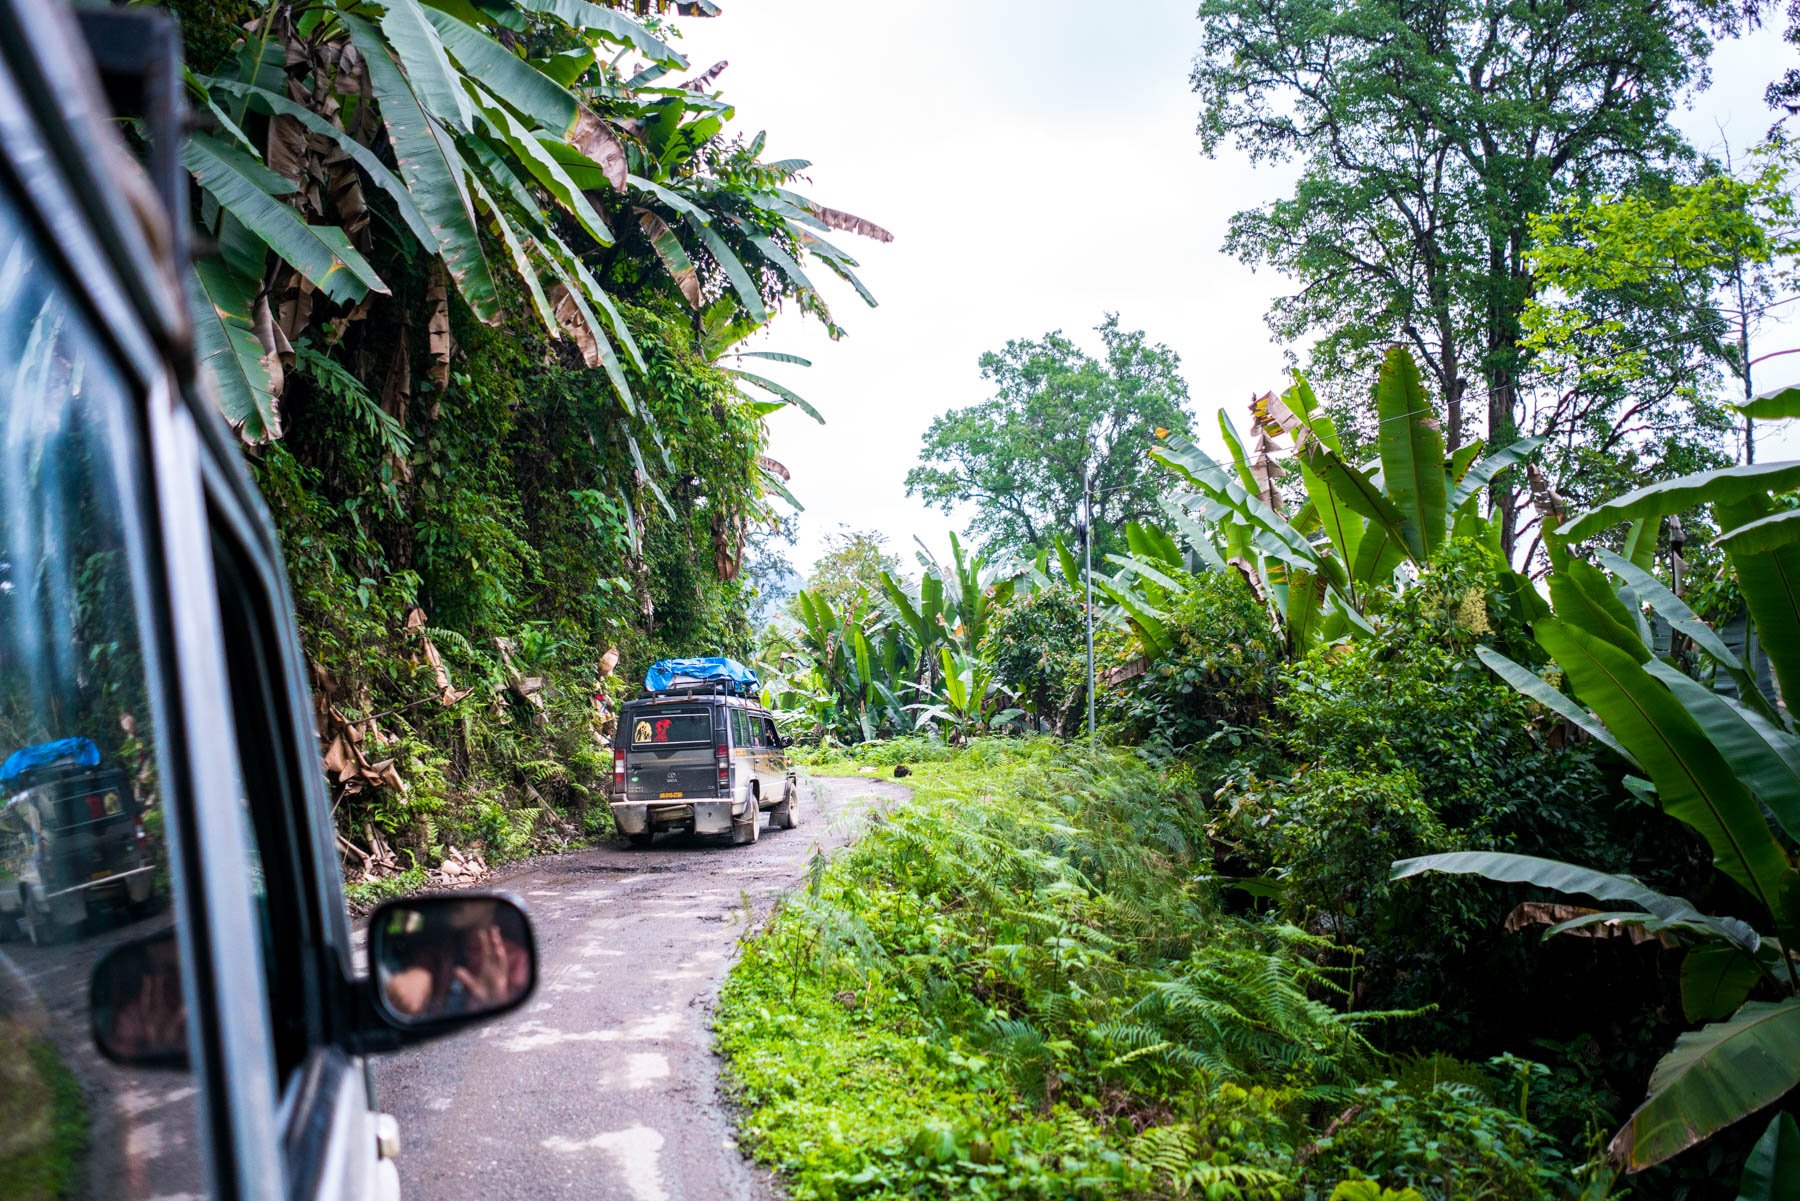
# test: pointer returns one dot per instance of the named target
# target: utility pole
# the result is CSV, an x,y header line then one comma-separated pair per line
x,y
1087,576
1744,358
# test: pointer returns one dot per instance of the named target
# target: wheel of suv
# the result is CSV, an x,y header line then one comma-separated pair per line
x,y
787,814
39,925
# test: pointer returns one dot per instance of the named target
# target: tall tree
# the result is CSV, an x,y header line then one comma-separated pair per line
x,y
1058,417
1428,135
852,564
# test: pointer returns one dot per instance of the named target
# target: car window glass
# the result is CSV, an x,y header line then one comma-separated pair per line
x,y
83,868
770,734
663,729
740,728
273,806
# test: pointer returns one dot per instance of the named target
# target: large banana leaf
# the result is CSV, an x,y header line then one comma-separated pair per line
x,y
1774,403
1722,486
1343,527
268,102
1482,474
1693,780
247,190
507,76
1772,1173
1538,689
787,395
1363,495
1573,880
1765,758
433,170
1714,1076
1672,609
1412,453
230,355
609,23
1770,583
1765,534
1715,980
436,83
1584,598
543,166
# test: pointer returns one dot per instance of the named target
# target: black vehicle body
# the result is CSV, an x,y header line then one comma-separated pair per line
x,y
702,760
274,1013
71,840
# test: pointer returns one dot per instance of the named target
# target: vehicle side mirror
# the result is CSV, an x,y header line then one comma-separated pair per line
x,y
135,1007
438,962
784,743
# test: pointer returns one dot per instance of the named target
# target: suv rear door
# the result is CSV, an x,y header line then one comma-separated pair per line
x,y
671,752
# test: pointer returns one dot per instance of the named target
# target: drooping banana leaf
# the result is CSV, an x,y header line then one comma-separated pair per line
x,y
432,169
611,24
769,385
1683,619
1695,783
1764,757
1765,534
507,76
1773,404
1573,880
1538,689
274,105
436,83
1770,583
1412,454
1722,486
247,190
230,355
541,164
1714,1076
727,259
1482,474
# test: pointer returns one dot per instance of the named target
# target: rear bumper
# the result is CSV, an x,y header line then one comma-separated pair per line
x,y
705,816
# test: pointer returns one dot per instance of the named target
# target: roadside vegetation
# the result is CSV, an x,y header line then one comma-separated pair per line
x,y
483,279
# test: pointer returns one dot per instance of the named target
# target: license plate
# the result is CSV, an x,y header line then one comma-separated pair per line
x,y
669,796
106,875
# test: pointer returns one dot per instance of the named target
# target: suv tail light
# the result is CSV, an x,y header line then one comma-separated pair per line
x,y
618,767
724,771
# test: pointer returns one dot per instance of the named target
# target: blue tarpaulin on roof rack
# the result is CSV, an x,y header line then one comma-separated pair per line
x,y
79,751
668,674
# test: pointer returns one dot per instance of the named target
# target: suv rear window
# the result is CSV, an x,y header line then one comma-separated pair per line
x,y
659,729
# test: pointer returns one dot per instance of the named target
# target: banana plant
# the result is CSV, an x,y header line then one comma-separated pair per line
x,y
491,139
962,706
1727,767
1323,570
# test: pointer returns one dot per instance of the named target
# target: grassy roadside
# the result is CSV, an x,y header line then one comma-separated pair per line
x,y
1021,985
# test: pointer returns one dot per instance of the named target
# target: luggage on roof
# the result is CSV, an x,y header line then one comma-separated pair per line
x,y
77,752
710,674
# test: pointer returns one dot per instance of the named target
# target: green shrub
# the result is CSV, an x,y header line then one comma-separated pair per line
x,y
1223,673
1037,648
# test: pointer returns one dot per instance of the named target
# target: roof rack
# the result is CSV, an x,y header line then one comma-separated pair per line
x,y
684,688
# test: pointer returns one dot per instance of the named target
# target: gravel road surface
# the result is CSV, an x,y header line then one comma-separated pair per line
x,y
604,1085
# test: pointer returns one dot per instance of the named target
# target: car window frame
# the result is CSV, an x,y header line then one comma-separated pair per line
x,y
53,127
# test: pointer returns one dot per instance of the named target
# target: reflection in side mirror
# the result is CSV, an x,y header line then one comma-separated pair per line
x,y
449,959
135,1004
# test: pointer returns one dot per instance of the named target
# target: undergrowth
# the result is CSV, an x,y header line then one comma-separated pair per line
x,y
1018,984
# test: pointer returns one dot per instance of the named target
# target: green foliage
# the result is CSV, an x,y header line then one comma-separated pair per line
x,y
45,1112
1723,767
1221,672
1445,1141
1035,647
1426,138
1018,985
1058,417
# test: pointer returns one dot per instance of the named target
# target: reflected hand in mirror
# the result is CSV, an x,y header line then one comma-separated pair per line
x,y
442,958
137,1011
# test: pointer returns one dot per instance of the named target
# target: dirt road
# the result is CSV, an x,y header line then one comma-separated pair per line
x,y
604,1086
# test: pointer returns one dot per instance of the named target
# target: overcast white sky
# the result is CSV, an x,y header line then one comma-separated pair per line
x,y
1037,163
